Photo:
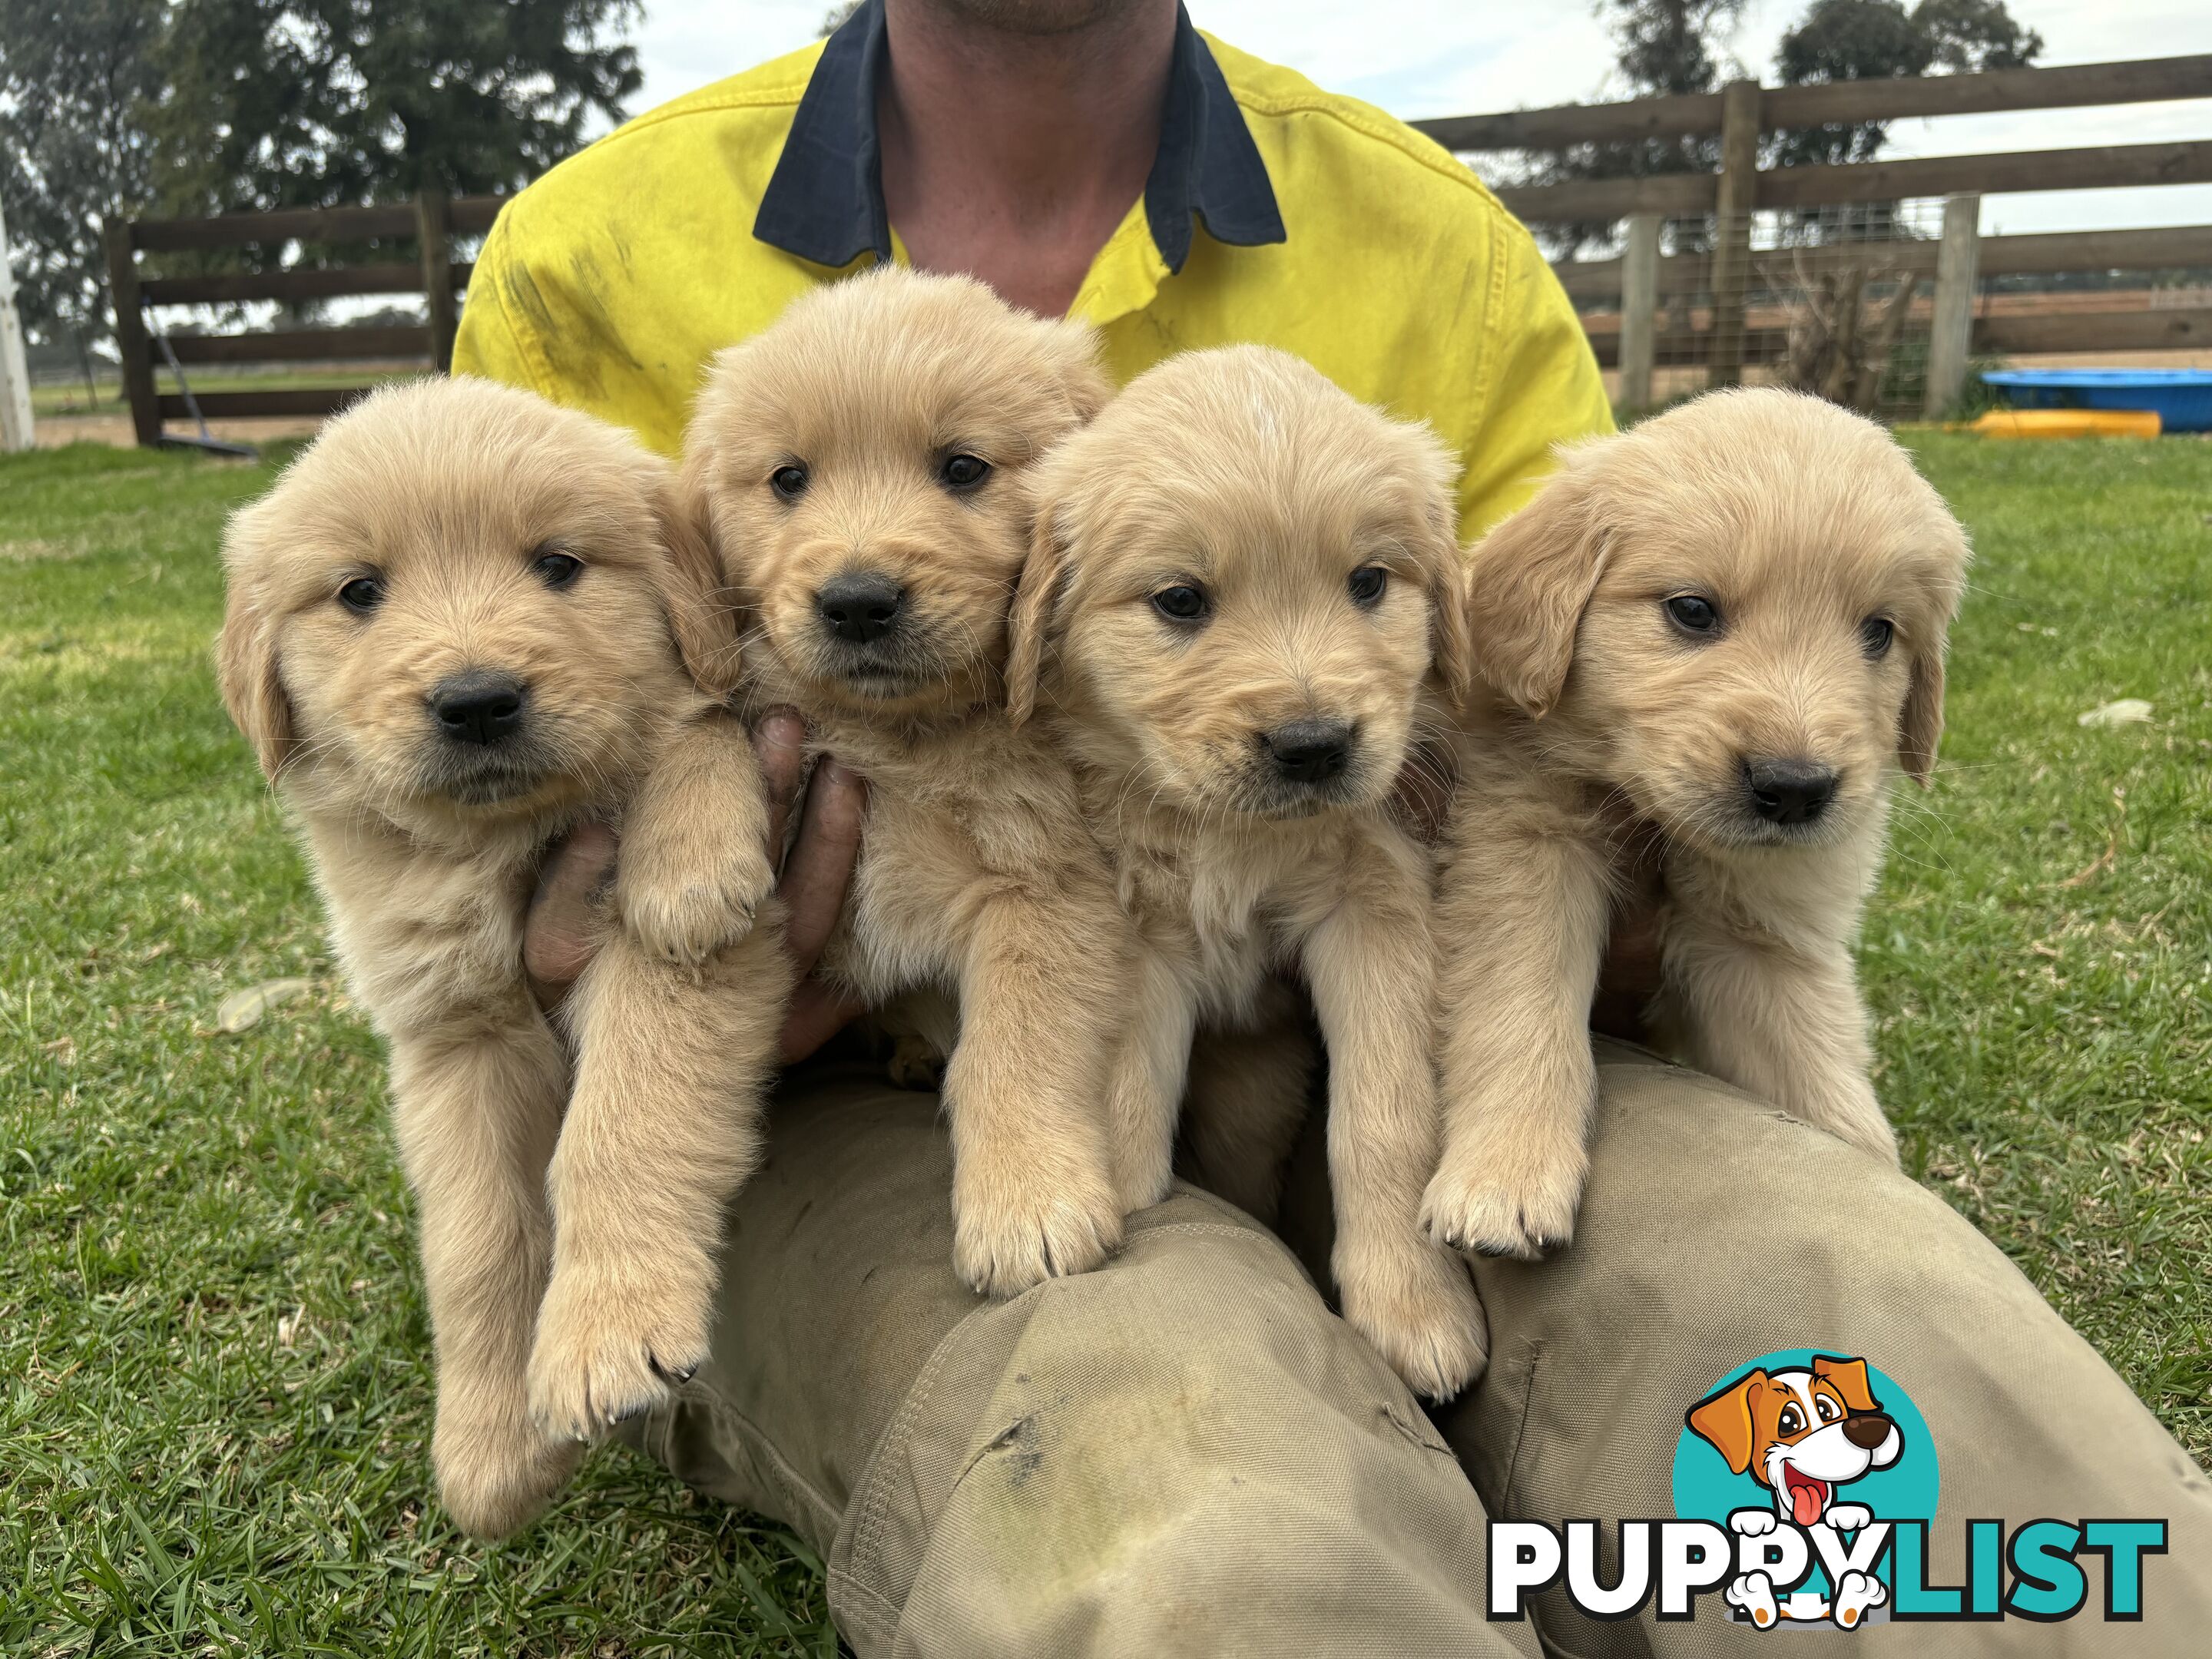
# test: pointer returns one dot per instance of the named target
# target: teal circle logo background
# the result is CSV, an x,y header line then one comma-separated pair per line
x,y
1706,1489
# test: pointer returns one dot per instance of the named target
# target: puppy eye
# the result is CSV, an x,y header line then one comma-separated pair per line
x,y
362,594
558,570
1693,613
964,471
1875,635
1827,1407
1183,603
1366,585
1790,1422
789,481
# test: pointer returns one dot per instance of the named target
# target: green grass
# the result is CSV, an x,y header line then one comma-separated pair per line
x,y
214,1390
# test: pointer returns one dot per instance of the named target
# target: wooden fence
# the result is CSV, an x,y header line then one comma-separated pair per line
x,y
431,221
1726,332
1744,110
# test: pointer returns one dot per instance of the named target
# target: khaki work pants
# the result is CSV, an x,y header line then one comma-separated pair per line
x,y
1187,1453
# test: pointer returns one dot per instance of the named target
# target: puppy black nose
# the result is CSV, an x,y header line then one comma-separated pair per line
x,y
1866,1430
1789,791
1309,751
861,605
478,707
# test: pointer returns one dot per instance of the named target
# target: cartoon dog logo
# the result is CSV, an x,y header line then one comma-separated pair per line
x,y
1804,1434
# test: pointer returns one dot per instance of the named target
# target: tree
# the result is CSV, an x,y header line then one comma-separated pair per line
x,y
294,103
1873,39
1665,46
74,80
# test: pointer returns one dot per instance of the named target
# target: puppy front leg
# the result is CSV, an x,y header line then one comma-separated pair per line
x,y
1369,968
477,1109
1781,1020
694,866
1145,1092
1520,926
664,1126
1043,986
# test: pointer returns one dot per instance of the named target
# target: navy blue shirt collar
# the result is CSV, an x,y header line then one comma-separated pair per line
x,y
825,202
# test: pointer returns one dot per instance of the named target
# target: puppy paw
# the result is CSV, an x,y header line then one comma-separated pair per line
x,y
608,1350
1417,1307
1752,1523
916,1063
1848,1518
682,910
1004,1245
1755,1593
1491,1201
497,1471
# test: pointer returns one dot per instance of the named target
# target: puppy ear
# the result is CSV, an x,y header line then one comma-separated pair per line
x,y
1723,1420
1531,579
1920,728
1030,623
1849,1377
246,658
1087,387
692,589
1444,566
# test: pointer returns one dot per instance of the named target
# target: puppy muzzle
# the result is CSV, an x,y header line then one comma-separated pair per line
x,y
485,745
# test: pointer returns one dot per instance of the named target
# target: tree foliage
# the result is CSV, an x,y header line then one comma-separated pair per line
x,y
1674,46
74,77
118,107
295,103
1873,39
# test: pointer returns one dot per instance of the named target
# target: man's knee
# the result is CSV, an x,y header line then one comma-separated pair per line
x,y
1152,1450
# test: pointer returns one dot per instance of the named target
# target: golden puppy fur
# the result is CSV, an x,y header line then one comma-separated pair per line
x,y
859,467
1243,587
1695,632
453,631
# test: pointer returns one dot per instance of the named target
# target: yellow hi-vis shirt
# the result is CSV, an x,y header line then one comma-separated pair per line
x,y
1275,213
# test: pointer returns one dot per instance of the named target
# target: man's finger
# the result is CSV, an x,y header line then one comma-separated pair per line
x,y
780,747
818,1012
822,858
561,930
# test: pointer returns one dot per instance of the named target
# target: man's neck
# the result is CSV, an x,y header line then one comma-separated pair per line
x,y
1013,155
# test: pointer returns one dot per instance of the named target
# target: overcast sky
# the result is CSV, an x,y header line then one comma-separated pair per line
x,y
1416,58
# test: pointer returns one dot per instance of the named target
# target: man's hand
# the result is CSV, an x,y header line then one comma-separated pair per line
x,y
560,935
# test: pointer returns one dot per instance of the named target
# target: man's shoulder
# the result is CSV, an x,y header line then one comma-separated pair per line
x,y
669,141
1403,162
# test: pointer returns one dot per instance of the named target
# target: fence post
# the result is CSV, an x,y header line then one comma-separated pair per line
x,y
433,230
15,374
1951,331
1639,310
131,344
1738,195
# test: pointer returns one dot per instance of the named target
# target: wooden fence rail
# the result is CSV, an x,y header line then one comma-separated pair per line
x,y
2072,85
1737,330
430,221
1742,111
2183,248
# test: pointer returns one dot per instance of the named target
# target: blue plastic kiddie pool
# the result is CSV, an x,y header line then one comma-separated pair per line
x,y
2182,397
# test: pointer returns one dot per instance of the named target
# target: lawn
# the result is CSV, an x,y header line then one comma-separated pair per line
x,y
211,1331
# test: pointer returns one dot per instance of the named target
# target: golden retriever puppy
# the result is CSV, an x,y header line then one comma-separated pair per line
x,y
858,464
1244,587
461,622
1714,635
